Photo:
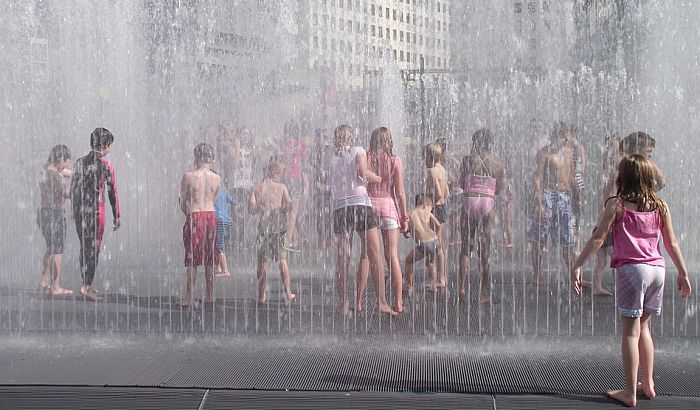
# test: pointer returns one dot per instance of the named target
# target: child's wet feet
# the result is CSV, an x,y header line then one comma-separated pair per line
x,y
89,293
61,292
222,274
623,397
344,309
648,391
387,310
601,292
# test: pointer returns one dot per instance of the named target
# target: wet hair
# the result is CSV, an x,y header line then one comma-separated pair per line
x,y
380,142
432,153
343,136
423,199
443,144
635,183
482,140
274,167
58,153
101,138
204,152
635,141
558,132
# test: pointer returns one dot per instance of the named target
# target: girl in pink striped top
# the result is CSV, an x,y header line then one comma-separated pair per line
x,y
639,219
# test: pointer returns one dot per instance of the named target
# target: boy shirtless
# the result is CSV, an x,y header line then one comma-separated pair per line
x,y
198,191
436,186
422,224
557,198
271,200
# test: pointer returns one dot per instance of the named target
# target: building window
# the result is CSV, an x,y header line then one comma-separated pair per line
x,y
371,9
333,46
532,43
401,16
531,7
545,6
381,32
547,24
408,18
401,36
379,11
439,64
340,3
438,43
315,41
401,56
373,30
388,35
394,14
408,56
394,34
439,25
438,6
381,52
518,7
408,38
395,55
387,13
349,24
420,40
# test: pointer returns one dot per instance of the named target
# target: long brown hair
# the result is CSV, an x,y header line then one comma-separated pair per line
x,y
380,142
635,183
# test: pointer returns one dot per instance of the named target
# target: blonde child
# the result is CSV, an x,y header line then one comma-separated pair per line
x,y
423,225
638,219
436,186
270,199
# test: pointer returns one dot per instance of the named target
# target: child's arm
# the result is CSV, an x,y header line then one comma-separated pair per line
x,y
674,251
409,228
537,181
364,172
437,189
434,223
252,201
605,221
185,193
659,180
286,199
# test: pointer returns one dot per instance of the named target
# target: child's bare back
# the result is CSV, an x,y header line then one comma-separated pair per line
x,y
271,200
199,188
437,184
422,222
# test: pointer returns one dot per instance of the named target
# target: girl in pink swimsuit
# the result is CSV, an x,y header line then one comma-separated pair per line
x,y
481,179
638,219
385,197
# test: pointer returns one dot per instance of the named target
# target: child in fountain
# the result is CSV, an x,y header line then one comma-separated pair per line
x,y
638,219
92,176
436,186
223,227
271,200
423,225
51,217
198,191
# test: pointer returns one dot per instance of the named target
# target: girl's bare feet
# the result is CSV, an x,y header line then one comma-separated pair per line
x,y
187,303
60,292
386,309
358,306
462,294
648,390
290,297
222,274
485,298
89,293
623,397
43,284
344,309
398,308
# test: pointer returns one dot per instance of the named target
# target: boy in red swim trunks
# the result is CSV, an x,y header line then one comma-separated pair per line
x,y
197,194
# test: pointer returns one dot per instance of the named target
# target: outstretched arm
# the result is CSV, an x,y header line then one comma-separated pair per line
x,y
605,221
674,251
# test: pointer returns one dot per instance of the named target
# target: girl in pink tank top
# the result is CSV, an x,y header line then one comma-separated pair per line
x,y
388,204
639,219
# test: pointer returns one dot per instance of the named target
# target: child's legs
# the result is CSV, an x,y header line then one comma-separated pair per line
x,y
284,275
262,279
363,267
343,246
292,221
646,353
223,265
630,352
485,253
432,272
468,225
370,240
46,263
57,262
411,258
191,279
209,282
391,254
442,257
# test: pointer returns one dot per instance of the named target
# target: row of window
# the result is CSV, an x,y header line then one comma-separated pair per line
x,y
531,6
360,5
408,38
355,69
359,49
330,22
